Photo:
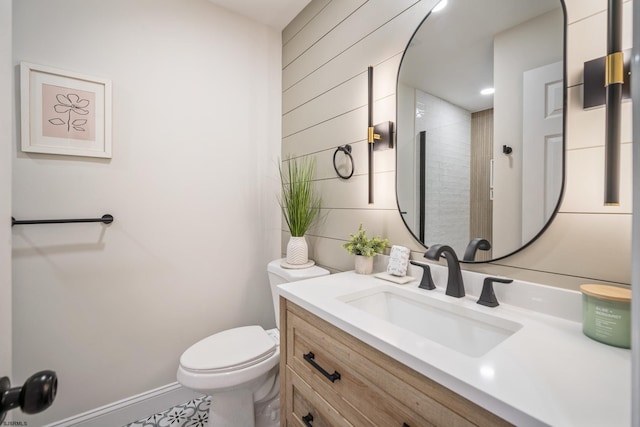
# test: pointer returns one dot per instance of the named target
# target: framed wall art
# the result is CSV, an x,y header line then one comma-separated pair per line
x,y
64,112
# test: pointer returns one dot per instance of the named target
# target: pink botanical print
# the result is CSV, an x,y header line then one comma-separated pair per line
x,y
68,113
71,103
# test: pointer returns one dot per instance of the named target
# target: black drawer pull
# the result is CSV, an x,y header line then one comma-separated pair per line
x,y
307,420
405,425
332,377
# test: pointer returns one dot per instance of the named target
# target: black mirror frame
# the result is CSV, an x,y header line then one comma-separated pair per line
x,y
564,143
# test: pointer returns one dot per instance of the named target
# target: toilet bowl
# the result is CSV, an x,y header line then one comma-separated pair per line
x,y
239,367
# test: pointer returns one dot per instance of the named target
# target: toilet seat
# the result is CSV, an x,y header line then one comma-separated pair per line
x,y
229,350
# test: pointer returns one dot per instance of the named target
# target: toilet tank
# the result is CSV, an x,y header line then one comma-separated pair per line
x,y
279,275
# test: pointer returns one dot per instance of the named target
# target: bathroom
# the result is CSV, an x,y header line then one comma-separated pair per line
x,y
216,98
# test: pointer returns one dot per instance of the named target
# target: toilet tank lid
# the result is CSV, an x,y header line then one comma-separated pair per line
x,y
233,347
292,274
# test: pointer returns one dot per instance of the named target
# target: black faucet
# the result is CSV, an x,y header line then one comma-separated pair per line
x,y
473,246
455,287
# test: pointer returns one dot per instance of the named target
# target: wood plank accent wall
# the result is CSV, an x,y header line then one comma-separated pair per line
x,y
326,51
481,218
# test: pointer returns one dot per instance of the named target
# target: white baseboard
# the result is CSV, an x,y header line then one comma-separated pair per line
x,y
131,409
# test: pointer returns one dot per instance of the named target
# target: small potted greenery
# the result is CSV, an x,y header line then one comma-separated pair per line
x,y
365,248
300,204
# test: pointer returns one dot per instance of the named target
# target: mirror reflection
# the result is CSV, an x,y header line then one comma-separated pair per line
x,y
480,125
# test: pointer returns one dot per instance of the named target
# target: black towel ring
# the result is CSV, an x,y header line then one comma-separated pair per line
x,y
347,151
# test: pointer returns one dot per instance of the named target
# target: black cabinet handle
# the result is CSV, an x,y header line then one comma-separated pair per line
x,y
332,377
307,420
405,425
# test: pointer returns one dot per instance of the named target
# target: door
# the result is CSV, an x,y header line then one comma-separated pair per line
x,y
542,146
6,97
38,392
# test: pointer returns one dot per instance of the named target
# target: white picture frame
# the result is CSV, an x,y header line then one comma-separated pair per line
x,y
64,113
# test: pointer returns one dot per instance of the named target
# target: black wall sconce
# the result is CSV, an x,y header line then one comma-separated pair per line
x,y
606,81
379,137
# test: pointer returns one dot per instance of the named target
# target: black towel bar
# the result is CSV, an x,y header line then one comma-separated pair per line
x,y
106,219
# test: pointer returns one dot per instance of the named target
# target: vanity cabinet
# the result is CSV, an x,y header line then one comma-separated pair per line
x,y
330,378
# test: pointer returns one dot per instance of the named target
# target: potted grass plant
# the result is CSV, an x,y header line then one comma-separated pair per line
x,y
300,203
365,248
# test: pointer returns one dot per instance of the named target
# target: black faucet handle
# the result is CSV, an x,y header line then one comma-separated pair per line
x,y
488,296
427,280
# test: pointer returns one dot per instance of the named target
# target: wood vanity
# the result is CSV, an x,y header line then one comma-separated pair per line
x,y
359,351
372,389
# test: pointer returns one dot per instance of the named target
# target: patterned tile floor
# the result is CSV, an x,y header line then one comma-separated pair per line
x,y
194,413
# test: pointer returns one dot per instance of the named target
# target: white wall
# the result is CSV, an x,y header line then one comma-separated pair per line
x,y
327,50
6,107
192,185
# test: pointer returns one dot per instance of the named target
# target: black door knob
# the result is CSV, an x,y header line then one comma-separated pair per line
x,y
36,395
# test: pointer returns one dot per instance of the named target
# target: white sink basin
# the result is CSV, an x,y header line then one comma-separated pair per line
x,y
459,328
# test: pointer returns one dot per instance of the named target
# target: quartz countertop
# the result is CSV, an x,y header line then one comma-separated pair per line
x,y
546,373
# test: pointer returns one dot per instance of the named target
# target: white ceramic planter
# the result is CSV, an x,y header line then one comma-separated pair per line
x,y
364,264
297,251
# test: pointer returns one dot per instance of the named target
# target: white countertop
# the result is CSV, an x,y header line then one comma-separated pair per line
x,y
547,373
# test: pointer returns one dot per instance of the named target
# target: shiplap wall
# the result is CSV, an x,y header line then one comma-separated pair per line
x,y
326,51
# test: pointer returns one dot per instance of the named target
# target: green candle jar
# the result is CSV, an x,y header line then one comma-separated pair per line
x,y
606,314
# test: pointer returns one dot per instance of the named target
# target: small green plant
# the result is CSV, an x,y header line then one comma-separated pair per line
x,y
360,244
299,202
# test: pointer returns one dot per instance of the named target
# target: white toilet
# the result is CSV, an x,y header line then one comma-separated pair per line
x,y
238,367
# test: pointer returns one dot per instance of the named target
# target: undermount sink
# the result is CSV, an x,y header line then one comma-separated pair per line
x,y
459,328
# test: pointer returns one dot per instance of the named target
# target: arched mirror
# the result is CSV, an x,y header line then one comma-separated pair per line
x,y
480,125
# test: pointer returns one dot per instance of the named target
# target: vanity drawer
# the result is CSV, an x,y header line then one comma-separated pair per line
x,y
373,389
356,395
299,405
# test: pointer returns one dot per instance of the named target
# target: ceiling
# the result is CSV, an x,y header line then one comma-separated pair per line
x,y
451,55
274,13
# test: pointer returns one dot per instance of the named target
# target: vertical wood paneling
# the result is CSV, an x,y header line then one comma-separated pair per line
x,y
323,83
481,218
